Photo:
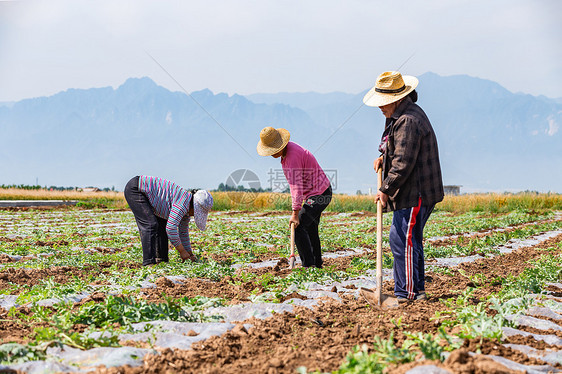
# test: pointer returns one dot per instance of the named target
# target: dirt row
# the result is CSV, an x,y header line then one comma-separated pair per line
x,y
274,251
321,338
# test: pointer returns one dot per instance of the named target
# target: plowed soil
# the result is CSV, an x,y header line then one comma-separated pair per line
x,y
321,338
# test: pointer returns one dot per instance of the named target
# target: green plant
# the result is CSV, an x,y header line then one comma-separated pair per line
x,y
432,347
75,339
14,353
359,361
127,310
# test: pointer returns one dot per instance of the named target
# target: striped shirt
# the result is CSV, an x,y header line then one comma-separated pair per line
x,y
170,202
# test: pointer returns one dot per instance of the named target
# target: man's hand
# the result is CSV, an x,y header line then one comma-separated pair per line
x,y
382,197
294,218
377,164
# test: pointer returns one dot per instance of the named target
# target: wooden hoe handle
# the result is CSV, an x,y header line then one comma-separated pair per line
x,y
379,238
292,239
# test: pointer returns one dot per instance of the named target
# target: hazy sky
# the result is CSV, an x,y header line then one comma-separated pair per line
x,y
272,46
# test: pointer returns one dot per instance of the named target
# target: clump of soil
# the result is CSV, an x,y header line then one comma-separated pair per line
x,y
52,243
97,297
494,348
4,259
293,295
461,362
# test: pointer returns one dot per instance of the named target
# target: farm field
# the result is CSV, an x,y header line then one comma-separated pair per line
x,y
74,297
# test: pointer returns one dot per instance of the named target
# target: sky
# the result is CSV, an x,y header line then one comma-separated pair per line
x,y
251,46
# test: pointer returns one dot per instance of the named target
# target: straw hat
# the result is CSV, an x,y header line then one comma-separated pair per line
x,y
391,86
202,204
272,141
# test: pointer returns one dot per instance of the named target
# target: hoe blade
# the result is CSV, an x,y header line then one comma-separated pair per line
x,y
378,299
292,262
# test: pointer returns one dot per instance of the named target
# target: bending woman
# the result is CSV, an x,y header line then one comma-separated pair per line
x,y
162,210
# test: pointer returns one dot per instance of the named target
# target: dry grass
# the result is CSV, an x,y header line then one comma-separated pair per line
x,y
85,199
501,203
42,194
492,203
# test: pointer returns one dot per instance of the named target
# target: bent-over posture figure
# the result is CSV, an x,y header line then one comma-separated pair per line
x,y
162,210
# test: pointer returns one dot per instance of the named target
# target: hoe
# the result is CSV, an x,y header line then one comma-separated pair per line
x,y
376,297
292,256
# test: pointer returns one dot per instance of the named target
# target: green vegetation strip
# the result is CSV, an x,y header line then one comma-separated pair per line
x,y
483,320
113,316
232,239
485,245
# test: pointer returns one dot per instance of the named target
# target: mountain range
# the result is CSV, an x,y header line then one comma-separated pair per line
x,y
490,139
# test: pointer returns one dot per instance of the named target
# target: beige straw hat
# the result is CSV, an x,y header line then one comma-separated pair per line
x,y
391,86
272,141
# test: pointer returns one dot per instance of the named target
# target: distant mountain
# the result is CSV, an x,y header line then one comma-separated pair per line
x,y
489,138
304,100
103,136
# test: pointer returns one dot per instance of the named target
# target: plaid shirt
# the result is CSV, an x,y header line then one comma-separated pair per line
x,y
411,159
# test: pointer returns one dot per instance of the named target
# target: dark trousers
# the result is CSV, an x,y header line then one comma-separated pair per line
x,y
307,238
406,243
152,228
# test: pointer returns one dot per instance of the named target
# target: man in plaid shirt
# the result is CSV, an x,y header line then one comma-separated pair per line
x,y
412,182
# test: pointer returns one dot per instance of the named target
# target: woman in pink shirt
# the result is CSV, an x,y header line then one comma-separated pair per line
x,y
310,190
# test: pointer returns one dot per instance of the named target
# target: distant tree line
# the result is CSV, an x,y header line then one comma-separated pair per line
x,y
225,188
21,186
50,188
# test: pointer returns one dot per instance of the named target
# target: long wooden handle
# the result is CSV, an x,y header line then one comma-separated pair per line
x,y
379,231
292,239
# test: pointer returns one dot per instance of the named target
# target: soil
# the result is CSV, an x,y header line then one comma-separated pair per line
x,y
32,208
59,274
13,330
31,277
199,287
225,288
321,338
531,342
4,258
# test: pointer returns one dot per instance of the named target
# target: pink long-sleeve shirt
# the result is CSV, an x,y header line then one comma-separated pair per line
x,y
305,176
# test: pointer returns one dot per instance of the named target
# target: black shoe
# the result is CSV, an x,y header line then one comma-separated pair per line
x,y
421,296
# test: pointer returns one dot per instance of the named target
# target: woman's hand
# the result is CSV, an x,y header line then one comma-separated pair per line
x,y
185,255
377,164
294,218
191,257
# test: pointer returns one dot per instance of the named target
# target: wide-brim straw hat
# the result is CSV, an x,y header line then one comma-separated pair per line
x,y
202,204
390,86
272,141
